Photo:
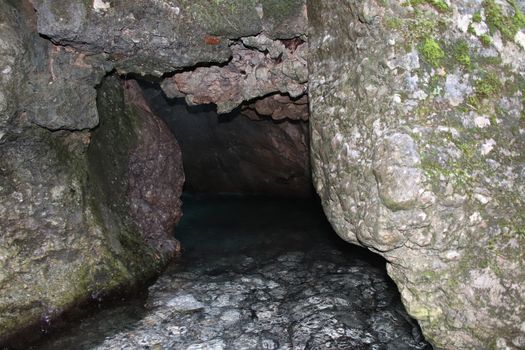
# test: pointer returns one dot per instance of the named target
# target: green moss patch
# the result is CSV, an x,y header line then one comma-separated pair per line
x,y
439,5
488,85
432,52
508,26
461,52
476,18
486,40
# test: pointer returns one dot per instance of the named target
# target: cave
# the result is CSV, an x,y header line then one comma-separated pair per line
x,y
262,174
255,257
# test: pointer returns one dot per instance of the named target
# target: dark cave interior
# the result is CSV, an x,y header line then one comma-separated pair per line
x,y
235,153
261,174
249,209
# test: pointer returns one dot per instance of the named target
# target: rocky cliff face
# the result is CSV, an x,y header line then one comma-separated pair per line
x,y
76,220
417,147
158,36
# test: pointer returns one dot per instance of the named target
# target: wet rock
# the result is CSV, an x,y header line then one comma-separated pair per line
x,y
155,175
438,85
62,88
185,302
413,158
320,310
67,232
142,177
291,288
55,250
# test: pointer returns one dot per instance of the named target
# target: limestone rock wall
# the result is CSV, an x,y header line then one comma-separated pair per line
x,y
76,224
136,164
159,36
155,174
418,138
417,143
260,68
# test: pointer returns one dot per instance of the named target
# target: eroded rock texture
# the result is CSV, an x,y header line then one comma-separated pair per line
x,y
144,167
259,67
231,153
66,230
158,36
272,276
156,175
69,232
417,138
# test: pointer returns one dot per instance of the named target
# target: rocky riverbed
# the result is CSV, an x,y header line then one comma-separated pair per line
x,y
256,273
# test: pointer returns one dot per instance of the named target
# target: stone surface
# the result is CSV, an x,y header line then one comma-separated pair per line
x,y
418,135
54,251
12,58
61,90
141,178
259,66
68,233
231,153
155,173
158,36
273,276
53,86
278,107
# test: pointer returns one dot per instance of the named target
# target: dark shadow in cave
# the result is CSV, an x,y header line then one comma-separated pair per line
x,y
231,153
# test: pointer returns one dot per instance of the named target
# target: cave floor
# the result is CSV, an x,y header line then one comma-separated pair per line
x,y
256,273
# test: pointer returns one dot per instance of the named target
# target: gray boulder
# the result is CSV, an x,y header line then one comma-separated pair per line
x,y
417,121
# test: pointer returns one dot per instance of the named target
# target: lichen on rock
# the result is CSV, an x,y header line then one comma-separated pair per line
x,y
417,154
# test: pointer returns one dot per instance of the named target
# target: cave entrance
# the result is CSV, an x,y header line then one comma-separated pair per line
x,y
260,267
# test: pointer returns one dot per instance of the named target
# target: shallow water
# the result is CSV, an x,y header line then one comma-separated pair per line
x,y
256,273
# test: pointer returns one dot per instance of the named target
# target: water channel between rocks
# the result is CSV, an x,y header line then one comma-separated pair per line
x,y
256,273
